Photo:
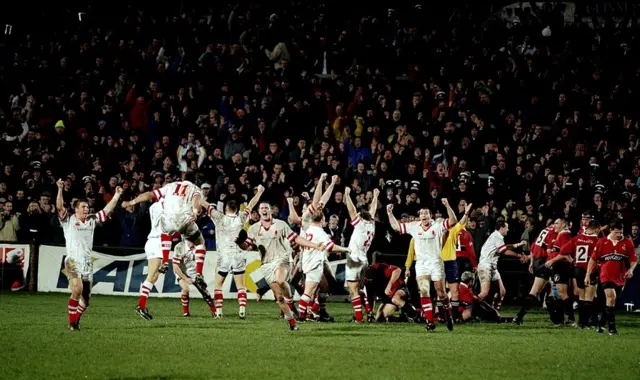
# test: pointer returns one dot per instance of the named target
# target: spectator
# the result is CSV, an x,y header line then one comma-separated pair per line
x,y
9,223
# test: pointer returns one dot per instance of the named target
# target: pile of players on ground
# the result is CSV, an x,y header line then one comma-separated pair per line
x,y
289,260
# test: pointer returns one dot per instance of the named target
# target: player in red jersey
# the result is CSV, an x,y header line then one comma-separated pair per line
x,y
385,282
538,257
561,274
581,248
617,257
465,253
471,307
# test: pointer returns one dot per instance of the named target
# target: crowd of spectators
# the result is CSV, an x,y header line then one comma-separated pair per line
x,y
528,120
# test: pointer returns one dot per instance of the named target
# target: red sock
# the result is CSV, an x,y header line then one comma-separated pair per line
x,y
303,304
289,302
201,252
292,321
73,310
145,290
165,245
81,310
365,300
185,303
242,297
356,302
427,308
218,299
316,306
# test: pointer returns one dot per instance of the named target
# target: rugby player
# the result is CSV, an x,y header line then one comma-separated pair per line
x,y
184,266
448,255
471,307
581,248
385,282
364,229
617,258
268,237
313,260
561,273
465,252
78,230
489,254
181,210
230,258
429,266
537,260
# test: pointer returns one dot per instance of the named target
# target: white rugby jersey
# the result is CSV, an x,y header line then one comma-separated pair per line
x,y
78,234
227,229
155,212
316,234
307,213
185,258
363,234
491,250
178,196
427,240
273,240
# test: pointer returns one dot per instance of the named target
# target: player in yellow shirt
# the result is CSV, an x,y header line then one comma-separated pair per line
x,y
448,255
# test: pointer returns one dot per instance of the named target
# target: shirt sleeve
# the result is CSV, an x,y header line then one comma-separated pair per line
x,y
388,270
408,228
288,233
632,255
214,214
567,248
251,234
101,216
160,193
500,246
597,251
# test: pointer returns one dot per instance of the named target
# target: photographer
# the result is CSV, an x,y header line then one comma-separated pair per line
x,y
9,223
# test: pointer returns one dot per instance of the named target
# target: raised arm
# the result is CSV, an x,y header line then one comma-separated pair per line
x,y
353,213
108,209
450,213
374,203
293,215
317,194
392,219
144,197
62,212
327,194
256,198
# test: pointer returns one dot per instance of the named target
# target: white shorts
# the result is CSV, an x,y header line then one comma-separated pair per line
x,y
488,274
313,269
180,223
153,249
434,269
269,271
354,270
82,269
235,263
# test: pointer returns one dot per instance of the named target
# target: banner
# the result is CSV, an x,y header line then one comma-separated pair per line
x,y
123,275
16,254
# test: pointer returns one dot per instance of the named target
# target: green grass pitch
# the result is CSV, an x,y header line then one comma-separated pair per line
x,y
115,343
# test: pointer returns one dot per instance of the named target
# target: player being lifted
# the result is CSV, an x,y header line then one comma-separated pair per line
x,y
184,266
78,230
581,248
181,209
617,257
364,229
231,259
489,254
429,266
313,260
268,237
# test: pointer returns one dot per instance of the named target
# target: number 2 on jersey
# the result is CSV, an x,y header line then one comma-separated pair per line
x,y
581,254
181,190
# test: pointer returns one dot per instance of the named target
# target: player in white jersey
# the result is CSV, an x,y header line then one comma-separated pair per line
x,y
153,248
78,231
184,266
328,280
230,257
268,236
313,260
428,236
364,229
181,209
489,255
